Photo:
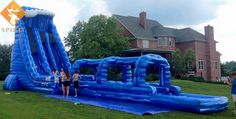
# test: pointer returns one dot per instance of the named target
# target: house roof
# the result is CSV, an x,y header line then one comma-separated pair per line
x,y
188,34
154,29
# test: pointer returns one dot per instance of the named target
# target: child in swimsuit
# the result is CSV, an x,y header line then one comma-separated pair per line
x,y
56,78
76,82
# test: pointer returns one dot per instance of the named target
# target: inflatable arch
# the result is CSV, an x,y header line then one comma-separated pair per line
x,y
123,63
88,63
142,64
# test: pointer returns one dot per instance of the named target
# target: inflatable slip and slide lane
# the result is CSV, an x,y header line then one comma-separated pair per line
x,y
38,50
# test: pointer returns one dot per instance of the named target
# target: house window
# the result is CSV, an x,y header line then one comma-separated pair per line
x,y
201,64
170,43
216,65
164,41
145,43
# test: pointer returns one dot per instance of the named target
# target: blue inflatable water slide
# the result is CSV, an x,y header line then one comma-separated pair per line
x,y
38,50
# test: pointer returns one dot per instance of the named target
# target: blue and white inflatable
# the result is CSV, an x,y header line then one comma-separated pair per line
x,y
138,90
38,50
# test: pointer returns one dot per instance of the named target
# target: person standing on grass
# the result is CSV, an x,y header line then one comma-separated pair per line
x,y
63,78
76,82
232,82
56,78
67,85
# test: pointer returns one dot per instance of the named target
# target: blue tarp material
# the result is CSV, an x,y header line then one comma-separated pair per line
x,y
134,108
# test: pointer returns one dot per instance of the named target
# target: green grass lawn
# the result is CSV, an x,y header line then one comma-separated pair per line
x,y
31,105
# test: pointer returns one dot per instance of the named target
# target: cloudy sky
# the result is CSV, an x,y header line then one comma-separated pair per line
x,y
173,13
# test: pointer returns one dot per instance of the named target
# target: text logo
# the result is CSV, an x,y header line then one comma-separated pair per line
x,y
13,13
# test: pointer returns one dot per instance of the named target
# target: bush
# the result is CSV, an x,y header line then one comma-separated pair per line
x,y
201,79
178,76
3,75
196,79
86,70
152,77
115,77
114,74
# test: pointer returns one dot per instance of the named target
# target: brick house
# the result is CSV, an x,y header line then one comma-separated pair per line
x,y
149,36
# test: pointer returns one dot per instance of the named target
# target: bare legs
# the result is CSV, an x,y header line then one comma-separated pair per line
x,y
234,105
76,92
67,90
63,90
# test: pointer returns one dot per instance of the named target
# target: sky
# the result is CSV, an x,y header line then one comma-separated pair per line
x,y
172,13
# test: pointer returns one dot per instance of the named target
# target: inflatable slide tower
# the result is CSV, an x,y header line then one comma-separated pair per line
x,y
36,52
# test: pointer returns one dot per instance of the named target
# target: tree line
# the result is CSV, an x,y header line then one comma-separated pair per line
x,y
227,68
5,59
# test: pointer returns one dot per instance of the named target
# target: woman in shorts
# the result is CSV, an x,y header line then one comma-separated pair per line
x,y
63,78
67,84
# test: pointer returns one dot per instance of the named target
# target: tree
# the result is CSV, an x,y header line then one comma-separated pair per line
x,y
5,59
73,38
98,38
189,58
224,71
177,62
227,68
182,62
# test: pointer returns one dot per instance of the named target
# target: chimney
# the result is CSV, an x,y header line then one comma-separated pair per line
x,y
209,33
210,50
142,19
209,36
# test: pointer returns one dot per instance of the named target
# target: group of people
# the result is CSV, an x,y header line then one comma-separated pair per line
x,y
64,78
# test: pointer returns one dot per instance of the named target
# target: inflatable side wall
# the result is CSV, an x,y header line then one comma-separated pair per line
x,y
134,88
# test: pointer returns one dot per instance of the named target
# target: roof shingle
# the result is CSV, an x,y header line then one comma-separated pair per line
x,y
155,29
